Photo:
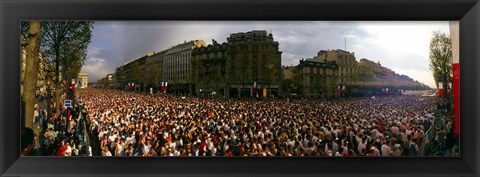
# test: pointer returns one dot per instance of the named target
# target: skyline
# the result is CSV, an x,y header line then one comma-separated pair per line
x,y
400,46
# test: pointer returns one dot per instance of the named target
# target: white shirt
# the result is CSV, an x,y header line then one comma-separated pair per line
x,y
130,140
386,150
106,153
376,152
338,154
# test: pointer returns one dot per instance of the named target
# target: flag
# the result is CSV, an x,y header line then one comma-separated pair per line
x,y
163,85
440,88
73,83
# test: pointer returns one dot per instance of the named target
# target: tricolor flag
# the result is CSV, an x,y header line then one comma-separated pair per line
x,y
163,85
73,83
440,88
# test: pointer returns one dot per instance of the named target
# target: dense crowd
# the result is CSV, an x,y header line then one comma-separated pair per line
x,y
133,124
56,135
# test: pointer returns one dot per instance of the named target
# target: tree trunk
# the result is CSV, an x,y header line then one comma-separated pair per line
x,y
57,80
49,94
57,98
30,80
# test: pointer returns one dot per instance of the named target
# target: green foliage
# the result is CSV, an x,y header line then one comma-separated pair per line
x,y
65,43
441,57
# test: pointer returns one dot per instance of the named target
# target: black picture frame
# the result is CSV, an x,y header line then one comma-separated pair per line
x,y
12,11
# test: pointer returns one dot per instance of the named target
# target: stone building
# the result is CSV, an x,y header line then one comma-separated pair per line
x,y
376,69
209,69
253,57
154,70
131,73
232,69
318,78
347,64
82,80
177,66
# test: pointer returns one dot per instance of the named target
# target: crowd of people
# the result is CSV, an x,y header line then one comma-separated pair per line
x,y
124,123
57,134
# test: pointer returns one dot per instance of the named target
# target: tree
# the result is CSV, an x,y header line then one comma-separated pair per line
x,y
153,73
33,50
441,57
65,42
135,73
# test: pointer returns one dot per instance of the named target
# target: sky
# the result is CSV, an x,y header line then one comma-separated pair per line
x,y
400,46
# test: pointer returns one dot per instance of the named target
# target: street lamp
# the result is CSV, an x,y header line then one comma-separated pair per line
x,y
269,67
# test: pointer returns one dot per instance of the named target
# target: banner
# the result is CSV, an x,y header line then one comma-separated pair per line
x,y
454,36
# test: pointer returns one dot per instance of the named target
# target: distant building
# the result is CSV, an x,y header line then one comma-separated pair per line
x,y
347,65
109,77
318,78
177,65
131,73
82,80
287,72
376,69
154,69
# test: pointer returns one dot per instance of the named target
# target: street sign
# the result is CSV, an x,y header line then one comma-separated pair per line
x,y
67,103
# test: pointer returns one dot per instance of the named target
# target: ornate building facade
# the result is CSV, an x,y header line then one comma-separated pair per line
x,y
318,78
347,64
249,63
209,69
253,64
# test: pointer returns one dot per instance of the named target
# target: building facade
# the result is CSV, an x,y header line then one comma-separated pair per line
x,y
177,66
376,69
253,61
209,69
154,70
247,64
347,64
82,80
318,78
131,75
